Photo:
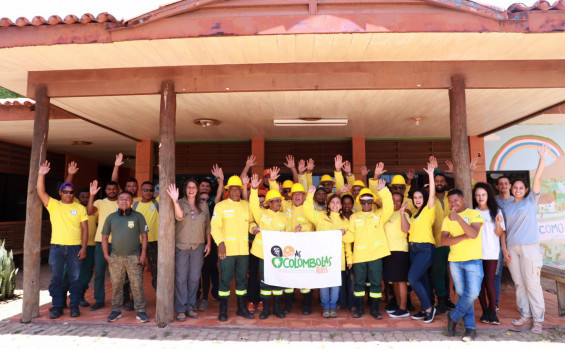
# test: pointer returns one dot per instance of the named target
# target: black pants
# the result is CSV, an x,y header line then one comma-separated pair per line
x,y
210,273
253,280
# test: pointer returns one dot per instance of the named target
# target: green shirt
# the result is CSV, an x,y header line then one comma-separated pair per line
x,y
125,231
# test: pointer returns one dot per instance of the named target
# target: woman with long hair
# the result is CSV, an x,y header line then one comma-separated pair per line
x,y
484,201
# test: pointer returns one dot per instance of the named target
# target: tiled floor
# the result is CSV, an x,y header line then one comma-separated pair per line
x,y
295,320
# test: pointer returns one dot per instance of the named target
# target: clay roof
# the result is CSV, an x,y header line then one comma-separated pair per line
x,y
538,6
16,102
103,17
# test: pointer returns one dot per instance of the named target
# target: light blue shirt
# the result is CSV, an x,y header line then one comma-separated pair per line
x,y
521,221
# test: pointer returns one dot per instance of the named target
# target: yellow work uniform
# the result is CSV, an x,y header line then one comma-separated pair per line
x,y
66,222
105,208
396,238
421,227
92,229
151,214
368,231
305,179
333,222
230,225
468,249
266,219
442,210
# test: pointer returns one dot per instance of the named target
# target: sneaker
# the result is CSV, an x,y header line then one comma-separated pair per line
x,y
430,316
469,335
485,318
419,316
451,325
114,315
142,317
333,313
400,313
97,306
326,313
192,314
56,313
83,303
391,308
203,306
75,312
250,307
181,317
497,308
493,319
450,304
260,306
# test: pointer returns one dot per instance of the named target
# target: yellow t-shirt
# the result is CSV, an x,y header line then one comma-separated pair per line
x,y
151,215
468,249
421,228
66,222
105,208
396,238
92,229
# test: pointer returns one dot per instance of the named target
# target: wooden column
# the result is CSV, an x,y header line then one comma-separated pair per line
x,y
32,237
459,140
359,155
477,150
166,262
144,161
258,149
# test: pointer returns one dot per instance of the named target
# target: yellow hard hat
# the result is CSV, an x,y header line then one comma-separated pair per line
x,y
272,194
287,184
234,181
398,180
363,192
297,188
358,183
326,178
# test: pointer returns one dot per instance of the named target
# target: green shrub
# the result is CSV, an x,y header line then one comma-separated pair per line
x,y
8,273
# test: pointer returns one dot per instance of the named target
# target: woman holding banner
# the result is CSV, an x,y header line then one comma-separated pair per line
x,y
332,219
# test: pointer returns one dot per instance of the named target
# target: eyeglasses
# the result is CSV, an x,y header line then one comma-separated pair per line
x,y
68,191
398,187
148,190
204,199
366,202
286,190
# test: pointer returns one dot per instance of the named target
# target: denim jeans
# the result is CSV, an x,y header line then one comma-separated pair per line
x,y
467,279
421,258
498,276
329,296
59,255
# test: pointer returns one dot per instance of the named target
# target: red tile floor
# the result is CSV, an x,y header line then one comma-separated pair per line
x,y
296,320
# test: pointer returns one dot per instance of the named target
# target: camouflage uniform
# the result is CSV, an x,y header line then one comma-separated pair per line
x,y
118,266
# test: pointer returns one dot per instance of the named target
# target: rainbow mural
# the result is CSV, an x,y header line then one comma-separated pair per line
x,y
522,142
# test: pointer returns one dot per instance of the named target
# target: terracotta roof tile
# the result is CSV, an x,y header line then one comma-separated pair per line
x,y
538,6
103,17
16,102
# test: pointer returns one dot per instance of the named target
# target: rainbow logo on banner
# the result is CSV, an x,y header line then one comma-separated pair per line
x,y
519,143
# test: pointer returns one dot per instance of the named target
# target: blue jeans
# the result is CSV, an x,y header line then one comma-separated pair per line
x,y
59,255
329,297
421,258
498,276
467,279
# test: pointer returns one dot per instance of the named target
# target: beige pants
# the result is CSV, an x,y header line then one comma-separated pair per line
x,y
525,269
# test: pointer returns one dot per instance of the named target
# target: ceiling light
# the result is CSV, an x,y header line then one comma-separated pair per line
x,y
207,122
417,119
310,121
79,143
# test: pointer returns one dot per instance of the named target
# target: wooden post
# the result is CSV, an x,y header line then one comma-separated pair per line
x,y
459,140
32,237
144,161
359,156
166,261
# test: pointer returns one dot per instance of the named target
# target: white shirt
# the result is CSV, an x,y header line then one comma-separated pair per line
x,y
491,242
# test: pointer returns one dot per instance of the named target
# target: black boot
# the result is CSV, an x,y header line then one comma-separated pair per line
x,y
277,307
288,298
83,303
242,308
449,303
223,310
375,309
441,306
360,307
266,308
307,303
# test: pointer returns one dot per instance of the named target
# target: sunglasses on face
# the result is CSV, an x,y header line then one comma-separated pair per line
x,y
397,187
366,202
68,191
286,190
204,199
148,190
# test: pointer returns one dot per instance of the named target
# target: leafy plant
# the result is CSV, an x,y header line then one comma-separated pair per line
x,y
8,273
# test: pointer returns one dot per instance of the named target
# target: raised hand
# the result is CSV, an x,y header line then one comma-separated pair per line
x,y
290,162
251,161
94,188
449,166
73,169
44,168
347,167
410,175
403,207
217,171
119,160
430,169
274,173
310,165
433,161
173,192
473,164
311,189
364,172
255,181
345,189
379,169
338,161
301,166
245,180
543,150
382,184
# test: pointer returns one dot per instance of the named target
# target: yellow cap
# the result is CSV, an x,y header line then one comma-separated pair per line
x,y
272,194
363,192
398,180
358,183
326,178
287,184
234,181
297,188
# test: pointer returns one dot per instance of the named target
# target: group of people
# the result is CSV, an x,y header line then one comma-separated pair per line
x,y
387,238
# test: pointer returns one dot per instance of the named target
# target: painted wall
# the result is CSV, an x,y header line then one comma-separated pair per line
x,y
515,149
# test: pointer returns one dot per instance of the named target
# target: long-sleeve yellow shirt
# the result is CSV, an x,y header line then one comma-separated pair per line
x,y
333,222
266,219
368,230
230,225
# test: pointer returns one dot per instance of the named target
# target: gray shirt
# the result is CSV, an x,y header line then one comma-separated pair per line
x,y
503,202
521,221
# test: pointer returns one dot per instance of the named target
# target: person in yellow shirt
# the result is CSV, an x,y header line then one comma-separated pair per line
x,y
229,229
69,237
370,245
462,231
267,219
332,219
422,245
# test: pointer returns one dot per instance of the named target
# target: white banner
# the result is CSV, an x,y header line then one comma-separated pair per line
x,y
302,260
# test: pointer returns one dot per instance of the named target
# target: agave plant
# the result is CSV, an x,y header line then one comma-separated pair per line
x,y
8,273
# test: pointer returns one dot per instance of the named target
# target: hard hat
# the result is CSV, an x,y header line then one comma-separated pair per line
x,y
326,178
234,181
297,188
272,194
398,180
358,183
364,192
287,184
